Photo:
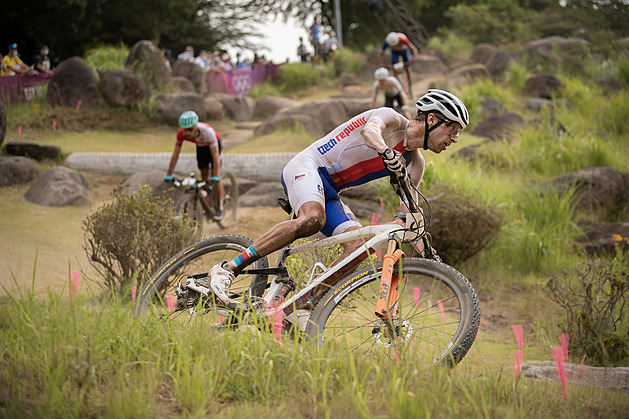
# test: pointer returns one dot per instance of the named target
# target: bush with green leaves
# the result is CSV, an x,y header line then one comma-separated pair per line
x,y
107,57
297,76
594,295
346,60
131,235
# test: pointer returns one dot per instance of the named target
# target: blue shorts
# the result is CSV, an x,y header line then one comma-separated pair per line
x,y
405,54
304,181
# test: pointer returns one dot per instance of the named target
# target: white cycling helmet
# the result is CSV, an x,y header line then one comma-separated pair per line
x,y
381,73
445,103
393,39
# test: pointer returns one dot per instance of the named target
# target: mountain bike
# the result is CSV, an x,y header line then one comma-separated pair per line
x,y
416,304
199,200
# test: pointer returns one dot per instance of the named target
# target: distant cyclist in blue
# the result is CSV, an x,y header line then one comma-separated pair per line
x,y
315,30
401,47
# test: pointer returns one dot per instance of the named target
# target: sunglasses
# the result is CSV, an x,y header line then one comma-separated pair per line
x,y
454,126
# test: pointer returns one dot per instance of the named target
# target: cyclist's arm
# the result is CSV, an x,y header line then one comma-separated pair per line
x,y
173,159
372,133
216,161
416,172
374,94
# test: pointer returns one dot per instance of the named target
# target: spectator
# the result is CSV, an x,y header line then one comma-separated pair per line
x,y
303,53
187,54
329,46
168,56
13,65
315,29
227,62
216,64
400,46
42,61
240,64
203,60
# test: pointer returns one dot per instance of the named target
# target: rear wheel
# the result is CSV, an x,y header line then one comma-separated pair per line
x,y
230,200
437,320
198,259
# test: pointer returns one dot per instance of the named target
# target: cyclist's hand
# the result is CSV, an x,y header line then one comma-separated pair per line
x,y
394,161
169,178
214,179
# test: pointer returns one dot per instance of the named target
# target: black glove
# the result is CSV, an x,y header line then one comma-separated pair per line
x,y
394,161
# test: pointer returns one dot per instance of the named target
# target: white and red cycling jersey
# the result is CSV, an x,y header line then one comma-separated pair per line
x,y
206,137
343,159
403,44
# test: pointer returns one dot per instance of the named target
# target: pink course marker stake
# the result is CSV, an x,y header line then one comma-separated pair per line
x,y
170,299
518,331
19,131
517,362
561,369
565,340
54,125
78,104
443,314
76,277
134,289
416,291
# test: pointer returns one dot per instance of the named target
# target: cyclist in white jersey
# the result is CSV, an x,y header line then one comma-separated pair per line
x,y
351,155
393,91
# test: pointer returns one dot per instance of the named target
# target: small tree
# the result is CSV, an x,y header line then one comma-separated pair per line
x,y
594,296
131,235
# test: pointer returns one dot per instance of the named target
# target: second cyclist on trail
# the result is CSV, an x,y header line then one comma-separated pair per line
x,y
393,91
356,152
209,149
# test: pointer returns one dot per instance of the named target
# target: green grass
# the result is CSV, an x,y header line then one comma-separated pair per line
x,y
92,357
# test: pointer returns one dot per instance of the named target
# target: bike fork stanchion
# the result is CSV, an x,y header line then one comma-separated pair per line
x,y
388,293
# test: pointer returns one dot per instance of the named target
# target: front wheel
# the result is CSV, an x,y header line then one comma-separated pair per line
x,y
438,313
190,206
230,200
196,259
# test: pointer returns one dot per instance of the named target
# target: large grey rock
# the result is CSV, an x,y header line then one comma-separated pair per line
x,y
146,60
155,180
553,50
601,238
171,106
349,79
238,107
122,88
59,187
603,190
264,194
214,108
545,86
34,151
609,84
482,52
182,84
498,126
15,170
354,106
192,72
606,378
267,106
499,62
467,74
73,80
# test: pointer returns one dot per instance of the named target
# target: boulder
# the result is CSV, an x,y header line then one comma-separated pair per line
x,y
192,72
609,84
466,74
498,126
182,84
537,104
59,187
499,62
73,81
149,62
544,86
15,170
601,238
602,190
155,180
426,64
490,106
355,106
472,152
171,106
237,107
269,105
349,79
482,52
3,122
362,209
122,87
553,50
214,109
264,194
34,151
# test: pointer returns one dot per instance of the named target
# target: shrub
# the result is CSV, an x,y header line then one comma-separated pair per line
x,y
107,57
456,48
264,89
594,295
296,76
131,235
347,61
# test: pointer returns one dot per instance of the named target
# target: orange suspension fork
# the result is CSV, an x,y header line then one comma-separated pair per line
x,y
388,293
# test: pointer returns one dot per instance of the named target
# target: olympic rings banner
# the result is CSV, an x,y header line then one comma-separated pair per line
x,y
240,82
21,88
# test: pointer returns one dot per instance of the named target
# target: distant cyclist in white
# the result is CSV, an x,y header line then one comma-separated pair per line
x,y
350,155
393,91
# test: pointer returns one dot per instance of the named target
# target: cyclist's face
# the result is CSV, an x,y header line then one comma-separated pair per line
x,y
190,132
444,135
